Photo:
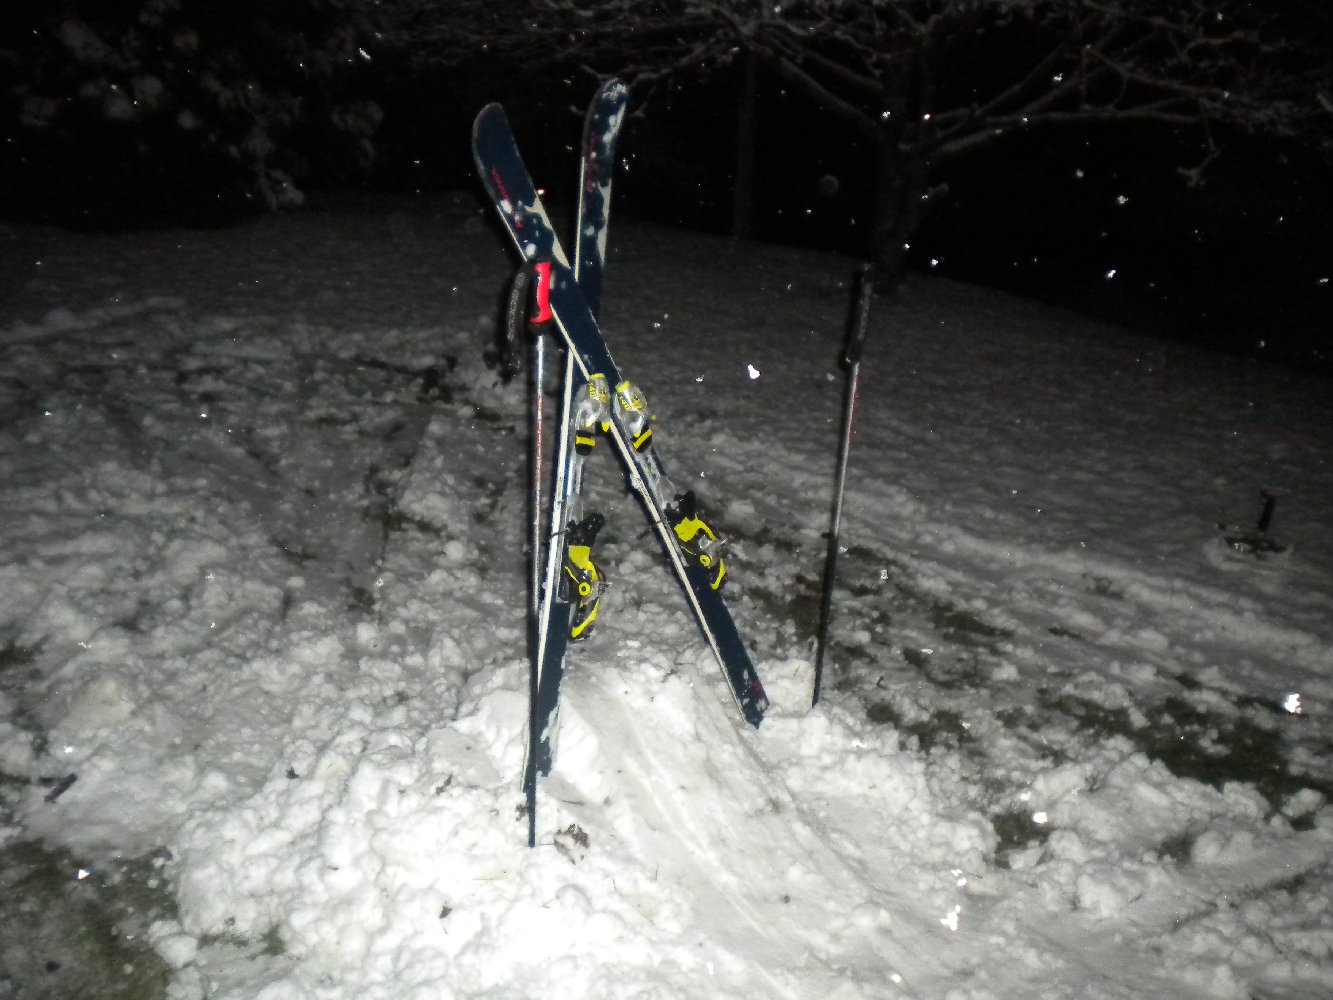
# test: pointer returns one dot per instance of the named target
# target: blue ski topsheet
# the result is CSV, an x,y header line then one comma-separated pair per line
x,y
515,196
606,115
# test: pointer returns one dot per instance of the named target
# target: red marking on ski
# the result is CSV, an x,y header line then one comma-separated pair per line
x,y
514,214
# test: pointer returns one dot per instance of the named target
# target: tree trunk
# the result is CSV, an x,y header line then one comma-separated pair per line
x,y
742,204
902,180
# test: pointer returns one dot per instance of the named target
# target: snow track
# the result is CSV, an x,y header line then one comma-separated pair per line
x,y
701,810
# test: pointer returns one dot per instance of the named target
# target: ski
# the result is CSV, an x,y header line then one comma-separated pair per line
x,y
570,586
689,543
601,130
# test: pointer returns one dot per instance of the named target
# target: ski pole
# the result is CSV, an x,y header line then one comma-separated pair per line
x,y
520,314
851,358
531,307
539,322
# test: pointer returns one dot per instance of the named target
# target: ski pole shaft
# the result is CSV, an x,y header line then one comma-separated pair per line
x,y
852,359
520,317
538,380
529,306
538,423
539,322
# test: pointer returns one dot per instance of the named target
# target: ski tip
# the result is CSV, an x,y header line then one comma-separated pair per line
x,y
611,87
491,113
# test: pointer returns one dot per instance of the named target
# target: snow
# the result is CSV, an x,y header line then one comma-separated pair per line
x,y
262,595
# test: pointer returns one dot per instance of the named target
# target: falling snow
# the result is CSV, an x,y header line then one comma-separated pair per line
x,y
262,596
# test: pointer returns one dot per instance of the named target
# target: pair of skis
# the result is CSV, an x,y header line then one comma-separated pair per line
x,y
596,397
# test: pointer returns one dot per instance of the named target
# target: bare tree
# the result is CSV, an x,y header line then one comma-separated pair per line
x,y
928,82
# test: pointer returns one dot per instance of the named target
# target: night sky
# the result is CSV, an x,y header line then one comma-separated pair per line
x,y
1099,219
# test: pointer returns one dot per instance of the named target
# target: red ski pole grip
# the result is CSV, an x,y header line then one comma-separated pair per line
x,y
542,299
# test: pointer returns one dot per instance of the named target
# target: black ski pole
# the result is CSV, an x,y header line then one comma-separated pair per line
x,y
851,358
518,318
529,307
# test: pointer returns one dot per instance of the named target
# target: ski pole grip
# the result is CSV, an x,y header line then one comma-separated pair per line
x,y
529,302
856,337
540,320
516,307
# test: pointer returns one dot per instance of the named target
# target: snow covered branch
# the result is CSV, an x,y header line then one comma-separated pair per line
x,y
928,81
925,82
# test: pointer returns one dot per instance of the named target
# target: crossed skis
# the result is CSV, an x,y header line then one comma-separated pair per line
x,y
596,398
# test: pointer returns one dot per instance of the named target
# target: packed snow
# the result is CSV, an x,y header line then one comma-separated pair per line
x,y
263,664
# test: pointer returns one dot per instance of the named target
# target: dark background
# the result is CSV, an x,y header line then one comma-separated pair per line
x,y
1098,219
